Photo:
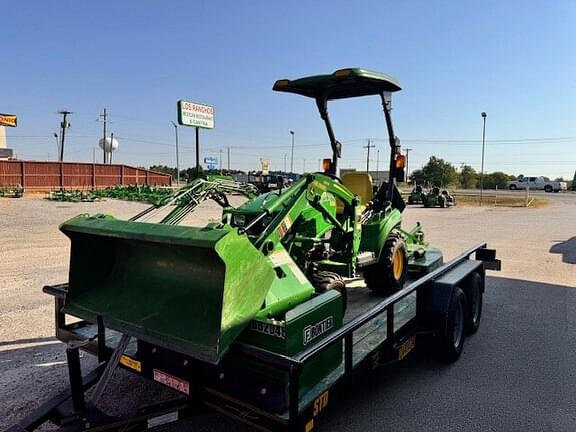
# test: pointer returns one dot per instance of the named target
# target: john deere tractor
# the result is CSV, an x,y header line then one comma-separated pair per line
x,y
270,271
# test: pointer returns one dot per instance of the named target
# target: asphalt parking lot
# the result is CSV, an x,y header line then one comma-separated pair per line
x,y
516,373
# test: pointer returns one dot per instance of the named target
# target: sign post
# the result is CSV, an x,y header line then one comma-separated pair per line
x,y
197,116
9,120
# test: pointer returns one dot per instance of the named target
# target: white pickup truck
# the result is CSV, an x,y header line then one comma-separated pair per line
x,y
537,183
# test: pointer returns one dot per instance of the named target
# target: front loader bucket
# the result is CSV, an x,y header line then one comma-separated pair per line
x,y
192,290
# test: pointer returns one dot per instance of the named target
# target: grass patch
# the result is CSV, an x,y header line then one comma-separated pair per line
x,y
499,201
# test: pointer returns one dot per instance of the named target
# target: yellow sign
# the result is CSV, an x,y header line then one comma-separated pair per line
x,y
131,363
8,120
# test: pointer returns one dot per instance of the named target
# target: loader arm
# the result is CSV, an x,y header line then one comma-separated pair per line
x,y
308,192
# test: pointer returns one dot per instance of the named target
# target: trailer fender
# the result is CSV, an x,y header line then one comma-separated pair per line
x,y
434,301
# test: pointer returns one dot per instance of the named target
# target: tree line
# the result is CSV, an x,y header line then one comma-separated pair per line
x,y
439,172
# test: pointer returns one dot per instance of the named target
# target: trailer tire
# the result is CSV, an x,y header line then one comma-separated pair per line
x,y
389,273
327,280
474,296
452,335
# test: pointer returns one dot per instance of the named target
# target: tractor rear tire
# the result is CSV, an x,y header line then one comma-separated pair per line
x,y
327,280
389,273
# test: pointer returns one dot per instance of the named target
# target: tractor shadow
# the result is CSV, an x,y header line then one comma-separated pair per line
x,y
567,249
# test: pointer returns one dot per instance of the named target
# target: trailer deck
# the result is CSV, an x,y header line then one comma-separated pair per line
x,y
368,322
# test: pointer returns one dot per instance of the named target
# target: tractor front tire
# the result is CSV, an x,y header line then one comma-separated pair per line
x,y
389,273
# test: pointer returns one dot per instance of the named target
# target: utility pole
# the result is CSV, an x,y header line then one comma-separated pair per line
x,y
220,161
292,154
93,154
408,150
484,115
285,155
378,166
177,158
369,146
228,160
63,125
104,116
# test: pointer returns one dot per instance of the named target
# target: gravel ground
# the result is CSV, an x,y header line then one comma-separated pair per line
x,y
536,245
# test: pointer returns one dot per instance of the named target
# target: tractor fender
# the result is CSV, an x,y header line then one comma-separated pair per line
x,y
375,234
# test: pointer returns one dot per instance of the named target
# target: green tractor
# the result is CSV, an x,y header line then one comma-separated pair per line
x,y
273,274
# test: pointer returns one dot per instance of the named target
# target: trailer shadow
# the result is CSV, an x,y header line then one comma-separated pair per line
x,y
31,371
516,372
567,249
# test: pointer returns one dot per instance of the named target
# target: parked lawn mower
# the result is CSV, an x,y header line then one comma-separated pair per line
x,y
249,315
416,195
12,192
435,198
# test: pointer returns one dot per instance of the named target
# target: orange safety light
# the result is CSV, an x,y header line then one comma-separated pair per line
x,y
400,161
327,165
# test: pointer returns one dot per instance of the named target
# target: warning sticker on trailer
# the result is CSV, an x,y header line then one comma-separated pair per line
x,y
172,381
131,363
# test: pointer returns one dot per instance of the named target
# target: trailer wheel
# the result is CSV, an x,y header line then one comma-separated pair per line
x,y
327,280
452,334
474,297
389,273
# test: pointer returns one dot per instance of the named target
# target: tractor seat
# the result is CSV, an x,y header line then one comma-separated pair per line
x,y
359,184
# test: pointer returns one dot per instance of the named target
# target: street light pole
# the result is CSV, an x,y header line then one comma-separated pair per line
x,y
57,144
292,154
177,157
482,167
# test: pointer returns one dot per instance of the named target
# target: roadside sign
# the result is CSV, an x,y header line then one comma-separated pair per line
x,y
195,115
9,120
211,163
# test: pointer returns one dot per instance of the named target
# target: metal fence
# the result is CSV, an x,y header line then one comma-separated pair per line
x,y
45,176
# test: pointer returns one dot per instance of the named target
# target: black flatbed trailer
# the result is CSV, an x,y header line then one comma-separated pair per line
x,y
376,331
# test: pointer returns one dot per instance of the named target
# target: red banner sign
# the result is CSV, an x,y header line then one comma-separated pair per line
x,y
8,120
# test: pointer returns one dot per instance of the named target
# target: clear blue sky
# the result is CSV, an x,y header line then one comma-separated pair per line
x,y
513,59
